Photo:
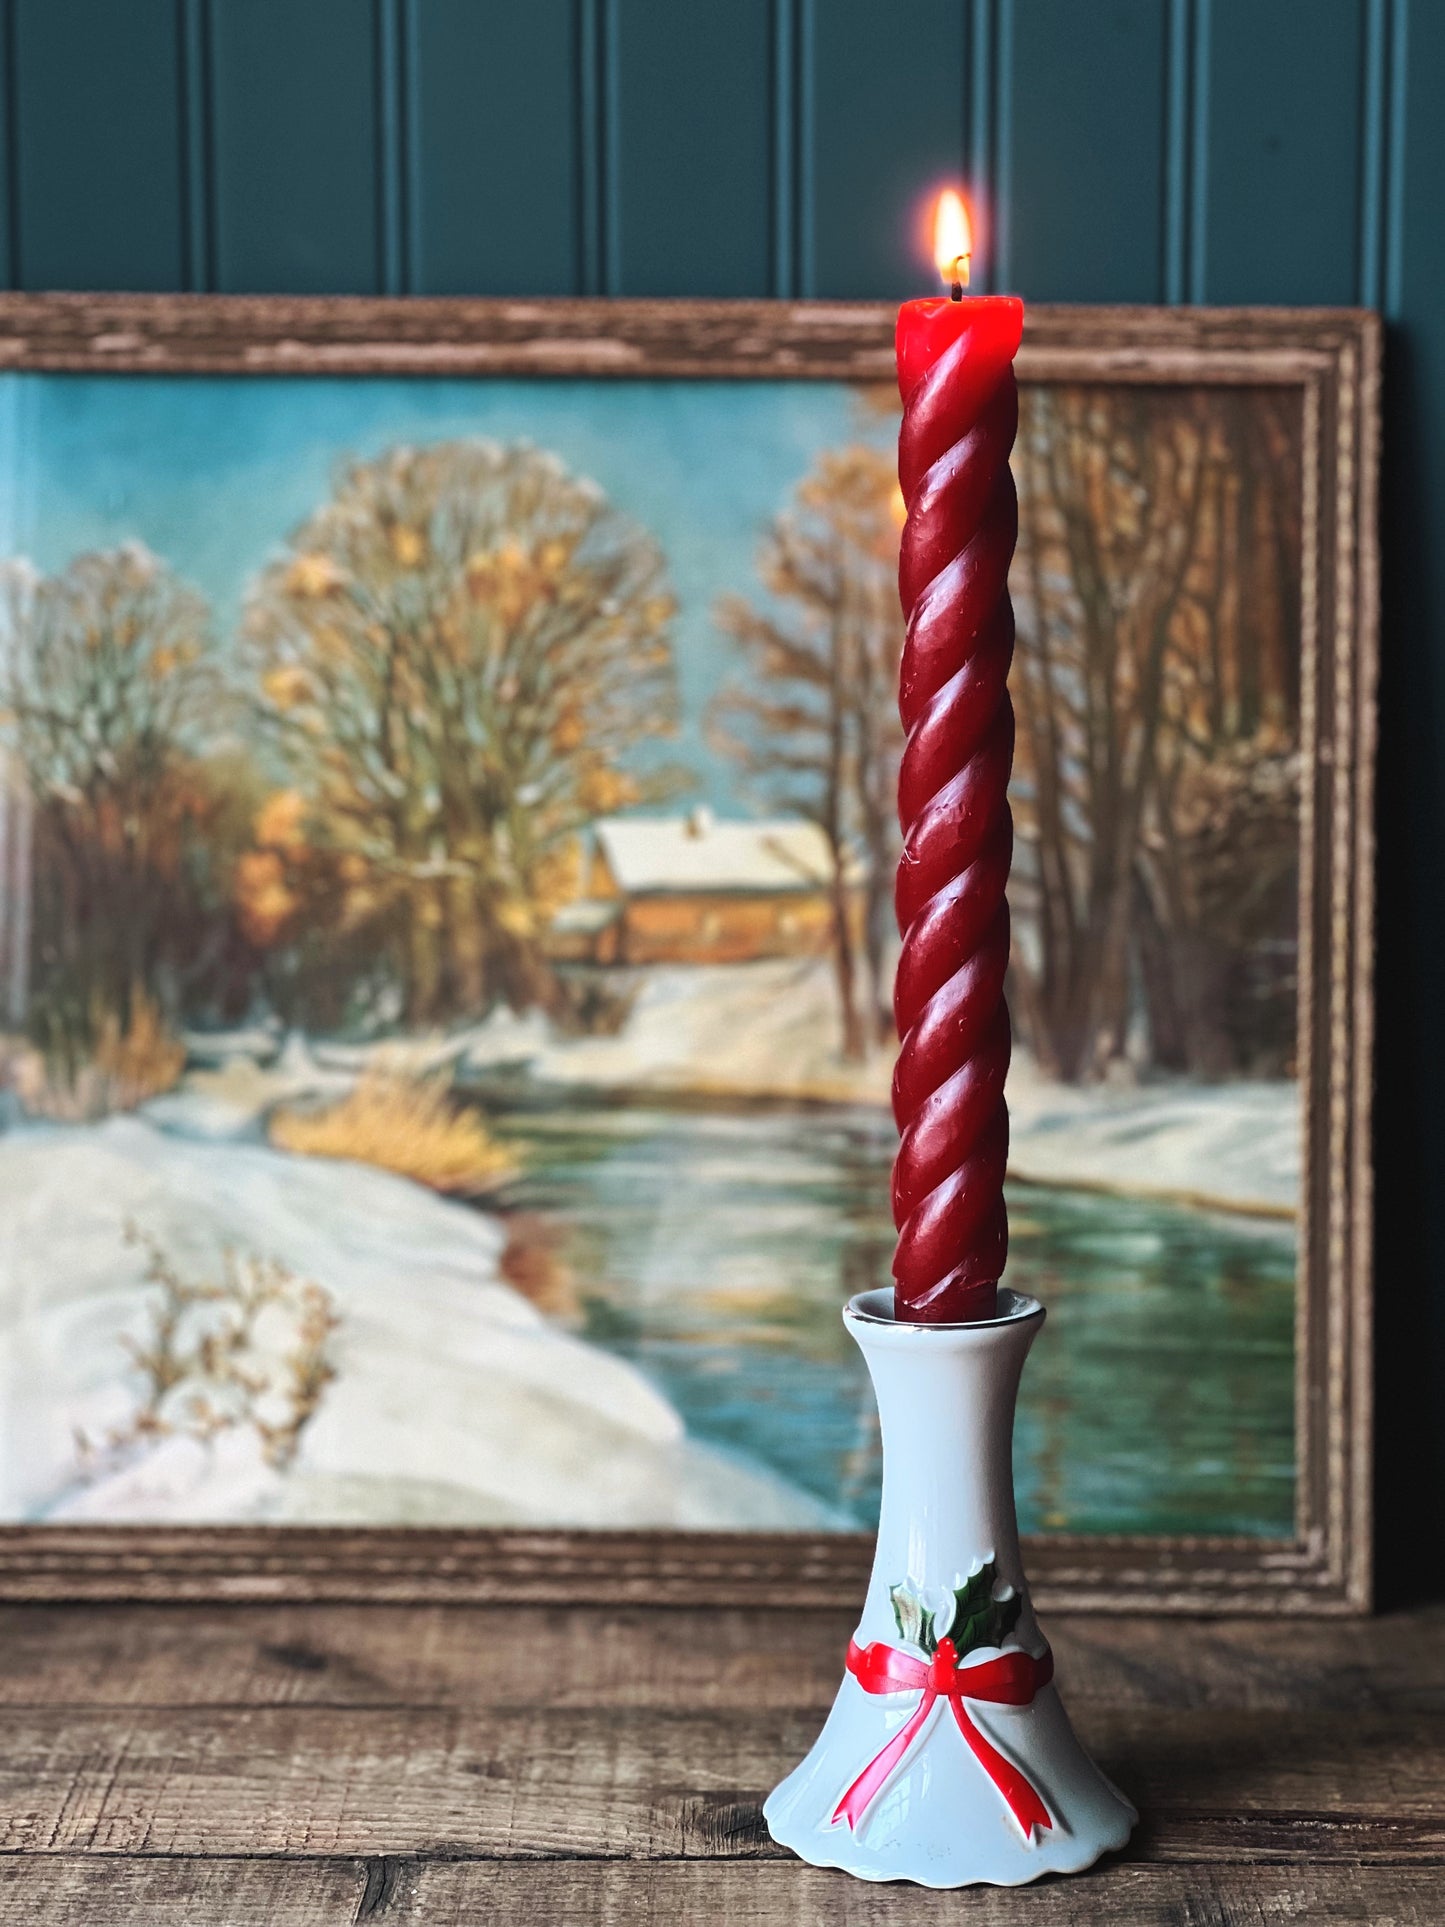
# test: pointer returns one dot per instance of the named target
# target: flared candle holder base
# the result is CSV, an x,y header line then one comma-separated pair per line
x,y
948,1758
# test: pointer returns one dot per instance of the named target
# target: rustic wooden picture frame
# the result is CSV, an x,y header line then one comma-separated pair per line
x,y
1333,358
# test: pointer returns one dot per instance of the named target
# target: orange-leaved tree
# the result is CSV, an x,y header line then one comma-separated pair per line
x,y
455,659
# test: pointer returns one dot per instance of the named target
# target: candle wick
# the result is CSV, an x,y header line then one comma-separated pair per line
x,y
955,293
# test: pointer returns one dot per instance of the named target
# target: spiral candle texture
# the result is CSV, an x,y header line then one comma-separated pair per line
x,y
960,417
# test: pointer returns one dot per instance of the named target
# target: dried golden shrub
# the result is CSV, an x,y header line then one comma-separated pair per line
x,y
126,1066
402,1122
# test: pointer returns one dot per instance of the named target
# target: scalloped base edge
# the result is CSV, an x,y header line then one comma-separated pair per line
x,y
862,1867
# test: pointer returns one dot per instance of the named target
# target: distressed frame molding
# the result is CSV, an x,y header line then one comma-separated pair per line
x,y
1332,356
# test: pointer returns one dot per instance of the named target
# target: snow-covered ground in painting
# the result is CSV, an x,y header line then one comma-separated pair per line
x,y
454,1400
1234,1147
770,1030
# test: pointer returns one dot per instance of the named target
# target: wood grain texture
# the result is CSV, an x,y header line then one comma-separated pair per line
x,y
701,340
319,1764
496,1734
659,1783
168,1891
66,1891
162,1891
1332,358
479,1657
393,1564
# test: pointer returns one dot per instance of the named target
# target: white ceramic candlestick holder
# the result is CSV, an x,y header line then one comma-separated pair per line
x,y
948,1757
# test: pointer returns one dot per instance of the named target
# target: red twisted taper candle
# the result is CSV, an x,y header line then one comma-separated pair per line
x,y
960,415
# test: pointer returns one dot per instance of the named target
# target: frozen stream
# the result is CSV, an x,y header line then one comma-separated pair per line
x,y
714,1248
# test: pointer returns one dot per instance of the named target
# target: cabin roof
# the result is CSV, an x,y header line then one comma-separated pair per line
x,y
661,855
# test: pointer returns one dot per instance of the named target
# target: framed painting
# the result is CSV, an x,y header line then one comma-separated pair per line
x,y
445,952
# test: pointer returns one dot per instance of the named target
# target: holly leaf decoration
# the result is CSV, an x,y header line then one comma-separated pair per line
x,y
978,1618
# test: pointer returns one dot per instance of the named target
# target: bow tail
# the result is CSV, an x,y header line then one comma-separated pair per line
x,y
865,1789
1017,1789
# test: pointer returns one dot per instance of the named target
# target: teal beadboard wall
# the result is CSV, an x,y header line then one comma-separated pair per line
x,y
1135,150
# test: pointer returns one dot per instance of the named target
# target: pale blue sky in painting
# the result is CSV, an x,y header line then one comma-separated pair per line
x,y
212,473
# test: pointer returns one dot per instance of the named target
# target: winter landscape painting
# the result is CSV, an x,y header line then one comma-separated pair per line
x,y
446,849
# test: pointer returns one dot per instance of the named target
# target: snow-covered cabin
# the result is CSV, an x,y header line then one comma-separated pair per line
x,y
702,889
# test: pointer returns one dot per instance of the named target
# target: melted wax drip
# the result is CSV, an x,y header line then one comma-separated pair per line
x,y
959,424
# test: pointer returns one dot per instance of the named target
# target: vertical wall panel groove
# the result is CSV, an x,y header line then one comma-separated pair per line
x,y
805,184
9,206
609,73
410,135
197,214
1373,134
785,147
981,98
1178,141
1200,41
1393,185
596,99
587,89
1001,175
391,145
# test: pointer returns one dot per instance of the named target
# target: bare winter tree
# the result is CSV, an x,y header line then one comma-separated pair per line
x,y
812,721
1218,871
455,658
110,695
1156,787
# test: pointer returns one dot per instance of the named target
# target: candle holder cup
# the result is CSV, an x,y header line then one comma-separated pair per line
x,y
948,1758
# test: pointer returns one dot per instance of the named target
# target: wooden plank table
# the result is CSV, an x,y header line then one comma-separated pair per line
x,y
302,1766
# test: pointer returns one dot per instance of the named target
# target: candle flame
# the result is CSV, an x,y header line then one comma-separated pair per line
x,y
952,237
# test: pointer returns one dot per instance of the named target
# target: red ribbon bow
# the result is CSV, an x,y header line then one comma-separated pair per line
x,y
1010,1680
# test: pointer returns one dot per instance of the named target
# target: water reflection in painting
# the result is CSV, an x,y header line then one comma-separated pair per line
x,y
714,1249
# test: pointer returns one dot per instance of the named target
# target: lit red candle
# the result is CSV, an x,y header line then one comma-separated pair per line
x,y
960,415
